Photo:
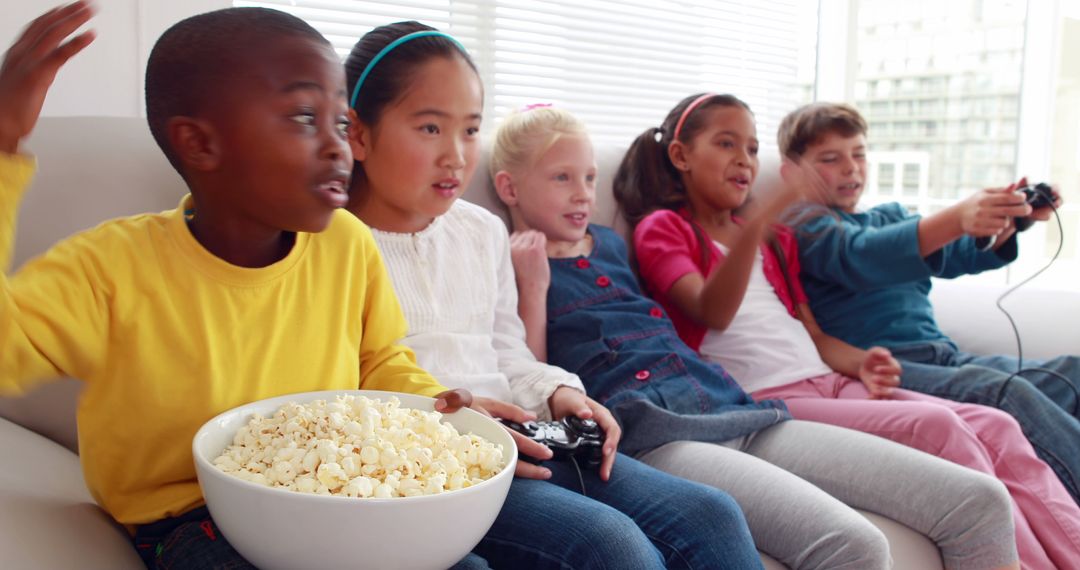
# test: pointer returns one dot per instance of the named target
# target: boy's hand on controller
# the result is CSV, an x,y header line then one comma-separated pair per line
x,y
30,66
567,401
989,212
526,446
1046,212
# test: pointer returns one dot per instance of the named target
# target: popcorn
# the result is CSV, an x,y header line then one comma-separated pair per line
x,y
359,447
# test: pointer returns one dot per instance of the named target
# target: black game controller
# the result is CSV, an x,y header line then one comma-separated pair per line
x,y
570,437
1038,196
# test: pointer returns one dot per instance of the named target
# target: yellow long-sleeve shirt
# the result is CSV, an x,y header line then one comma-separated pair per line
x,y
166,335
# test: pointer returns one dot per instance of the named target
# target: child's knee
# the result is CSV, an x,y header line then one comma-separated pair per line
x,y
1000,422
990,501
721,503
937,419
712,508
938,429
980,525
614,540
856,544
869,547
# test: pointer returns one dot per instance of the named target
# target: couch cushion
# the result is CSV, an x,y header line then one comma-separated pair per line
x,y
90,169
47,518
968,313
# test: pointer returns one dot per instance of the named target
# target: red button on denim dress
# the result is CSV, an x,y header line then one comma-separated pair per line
x,y
621,344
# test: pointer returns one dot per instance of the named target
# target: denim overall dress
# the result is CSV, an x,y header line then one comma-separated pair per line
x,y
626,351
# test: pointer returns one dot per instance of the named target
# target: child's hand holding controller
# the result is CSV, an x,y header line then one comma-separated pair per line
x,y
1043,213
880,372
30,66
989,212
526,446
567,401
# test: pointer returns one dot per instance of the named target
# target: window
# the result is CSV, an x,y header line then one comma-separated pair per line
x,y
969,64
619,65
980,102
1054,150
960,95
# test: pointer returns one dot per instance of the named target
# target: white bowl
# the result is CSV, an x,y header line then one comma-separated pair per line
x,y
277,528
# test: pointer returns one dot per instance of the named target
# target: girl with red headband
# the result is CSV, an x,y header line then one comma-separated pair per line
x,y
732,287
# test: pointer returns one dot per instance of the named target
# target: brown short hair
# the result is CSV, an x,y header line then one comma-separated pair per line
x,y
808,124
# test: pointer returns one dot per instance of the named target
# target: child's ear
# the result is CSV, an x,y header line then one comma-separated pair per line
x,y
676,152
195,142
359,136
504,187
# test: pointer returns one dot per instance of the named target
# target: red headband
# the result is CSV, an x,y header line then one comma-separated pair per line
x,y
686,113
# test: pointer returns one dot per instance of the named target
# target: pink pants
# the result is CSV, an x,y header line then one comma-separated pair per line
x,y
982,438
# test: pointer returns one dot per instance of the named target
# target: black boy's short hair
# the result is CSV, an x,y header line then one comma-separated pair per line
x,y
197,54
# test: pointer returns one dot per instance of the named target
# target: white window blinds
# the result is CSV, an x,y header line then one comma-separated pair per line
x,y
619,66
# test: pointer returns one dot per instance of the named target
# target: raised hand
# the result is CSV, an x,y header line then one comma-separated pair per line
x,y
529,255
30,66
802,182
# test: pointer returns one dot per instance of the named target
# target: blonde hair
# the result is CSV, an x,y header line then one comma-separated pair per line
x,y
524,137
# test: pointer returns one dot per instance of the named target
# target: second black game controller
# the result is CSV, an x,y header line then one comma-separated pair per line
x,y
1037,196
570,437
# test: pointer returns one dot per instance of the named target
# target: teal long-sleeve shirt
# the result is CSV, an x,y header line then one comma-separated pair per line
x,y
866,281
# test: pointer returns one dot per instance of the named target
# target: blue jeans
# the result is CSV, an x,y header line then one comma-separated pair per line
x,y
192,541
641,518
1047,406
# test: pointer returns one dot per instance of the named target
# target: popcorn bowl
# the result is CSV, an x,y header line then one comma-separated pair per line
x,y
279,528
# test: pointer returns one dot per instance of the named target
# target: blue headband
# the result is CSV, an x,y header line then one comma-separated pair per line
x,y
382,53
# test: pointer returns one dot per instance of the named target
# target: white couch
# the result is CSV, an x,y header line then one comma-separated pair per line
x,y
92,169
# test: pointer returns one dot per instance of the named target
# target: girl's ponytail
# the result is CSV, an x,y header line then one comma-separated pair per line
x,y
646,180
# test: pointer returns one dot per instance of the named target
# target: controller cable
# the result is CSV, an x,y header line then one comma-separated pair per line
x,y
1016,331
581,478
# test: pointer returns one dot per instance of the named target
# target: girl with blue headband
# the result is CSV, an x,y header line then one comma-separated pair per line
x,y
416,109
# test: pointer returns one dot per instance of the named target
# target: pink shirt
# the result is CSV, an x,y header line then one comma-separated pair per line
x,y
667,249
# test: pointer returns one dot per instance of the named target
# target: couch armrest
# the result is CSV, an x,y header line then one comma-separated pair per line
x,y
47,518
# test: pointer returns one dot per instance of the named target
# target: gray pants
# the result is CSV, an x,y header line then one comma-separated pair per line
x,y
798,481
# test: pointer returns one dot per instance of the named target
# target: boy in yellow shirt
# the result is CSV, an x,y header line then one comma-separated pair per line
x,y
255,286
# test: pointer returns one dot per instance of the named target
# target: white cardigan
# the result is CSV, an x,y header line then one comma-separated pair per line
x,y
455,282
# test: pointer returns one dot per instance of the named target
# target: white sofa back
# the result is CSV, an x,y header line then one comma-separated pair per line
x,y
93,169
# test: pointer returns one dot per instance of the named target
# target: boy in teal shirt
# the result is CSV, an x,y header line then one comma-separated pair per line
x,y
867,275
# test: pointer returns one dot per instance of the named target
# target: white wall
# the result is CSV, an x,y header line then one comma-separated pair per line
x,y
106,78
